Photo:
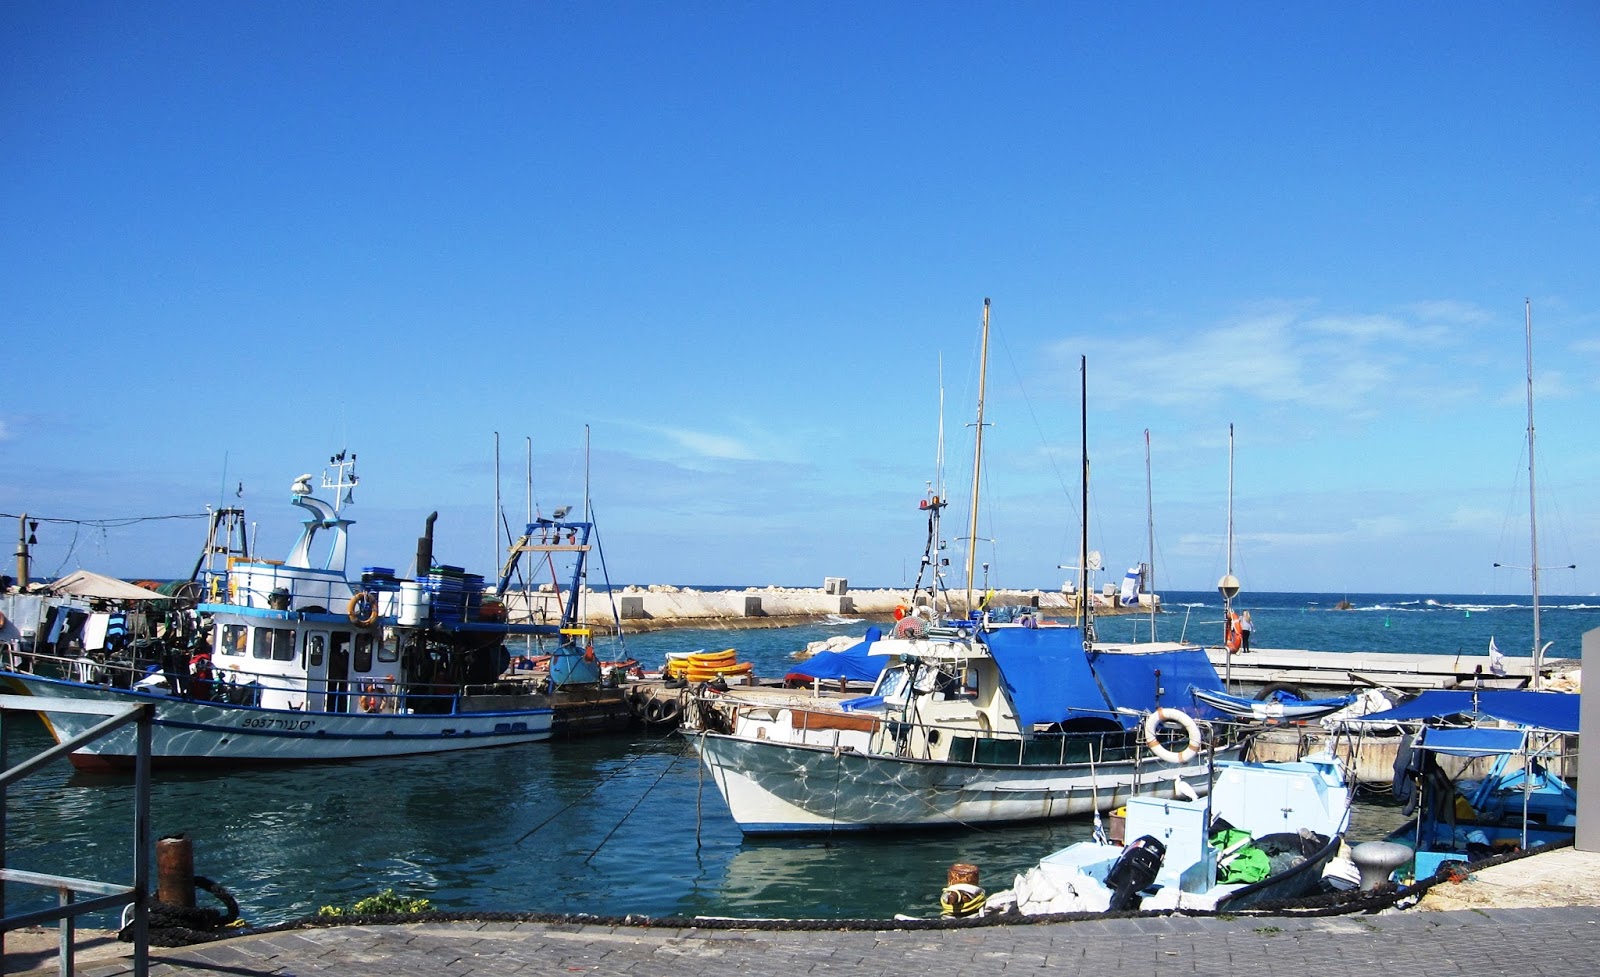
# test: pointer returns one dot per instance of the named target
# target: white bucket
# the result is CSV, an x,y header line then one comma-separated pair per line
x,y
413,604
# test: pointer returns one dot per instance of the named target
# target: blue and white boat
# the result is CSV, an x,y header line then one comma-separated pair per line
x,y
968,724
291,661
1265,833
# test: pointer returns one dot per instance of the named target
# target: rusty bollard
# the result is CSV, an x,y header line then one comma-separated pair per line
x,y
175,871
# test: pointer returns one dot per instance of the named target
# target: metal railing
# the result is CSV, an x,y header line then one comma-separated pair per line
x,y
104,895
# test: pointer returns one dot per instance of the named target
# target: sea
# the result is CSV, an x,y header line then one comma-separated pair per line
x,y
627,823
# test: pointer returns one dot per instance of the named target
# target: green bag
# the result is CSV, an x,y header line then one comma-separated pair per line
x,y
1245,863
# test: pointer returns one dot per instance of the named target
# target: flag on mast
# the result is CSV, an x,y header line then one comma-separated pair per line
x,y
1497,661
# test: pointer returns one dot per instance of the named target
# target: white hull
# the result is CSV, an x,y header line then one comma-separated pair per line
x,y
785,788
193,732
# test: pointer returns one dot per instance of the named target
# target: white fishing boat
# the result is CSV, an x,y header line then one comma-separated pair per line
x,y
290,661
993,717
1266,833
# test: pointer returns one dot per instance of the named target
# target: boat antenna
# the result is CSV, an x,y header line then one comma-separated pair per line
x,y
977,456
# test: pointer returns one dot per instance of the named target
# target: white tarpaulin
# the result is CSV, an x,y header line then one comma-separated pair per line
x,y
82,583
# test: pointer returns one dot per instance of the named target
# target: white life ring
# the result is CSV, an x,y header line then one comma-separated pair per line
x,y
1153,722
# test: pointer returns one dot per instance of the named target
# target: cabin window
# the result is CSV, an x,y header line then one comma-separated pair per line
x,y
232,641
389,650
274,643
894,684
363,659
316,646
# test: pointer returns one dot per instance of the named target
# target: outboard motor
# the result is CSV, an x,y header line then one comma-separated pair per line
x,y
1134,870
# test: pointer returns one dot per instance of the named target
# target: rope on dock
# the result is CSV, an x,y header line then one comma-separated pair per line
x,y
173,926
1343,903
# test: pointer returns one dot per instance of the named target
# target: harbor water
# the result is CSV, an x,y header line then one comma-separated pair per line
x,y
626,823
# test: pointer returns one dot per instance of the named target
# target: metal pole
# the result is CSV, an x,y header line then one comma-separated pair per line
x,y
1533,512
977,455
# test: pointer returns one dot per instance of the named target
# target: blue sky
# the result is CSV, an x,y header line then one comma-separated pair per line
x,y
747,244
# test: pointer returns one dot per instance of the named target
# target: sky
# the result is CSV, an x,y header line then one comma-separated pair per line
x,y
724,264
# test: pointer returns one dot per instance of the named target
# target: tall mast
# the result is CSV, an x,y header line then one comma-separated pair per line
x,y
1083,538
1150,525
1533,509
1228,586
977,457
495,516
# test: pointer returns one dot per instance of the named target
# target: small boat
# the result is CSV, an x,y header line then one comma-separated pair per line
x,y
289,661
1479,773
1266,833
1275,709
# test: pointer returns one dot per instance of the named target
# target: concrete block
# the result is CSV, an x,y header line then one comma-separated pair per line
x,y
752,606
632,608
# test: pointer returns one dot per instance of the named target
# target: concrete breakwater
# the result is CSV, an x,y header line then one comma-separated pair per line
x,y
659,606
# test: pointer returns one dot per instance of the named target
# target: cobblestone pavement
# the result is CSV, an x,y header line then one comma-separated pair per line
x,y
1561,942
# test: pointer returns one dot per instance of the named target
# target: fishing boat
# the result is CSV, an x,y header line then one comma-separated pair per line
x,y
291,661
1266,833
994,716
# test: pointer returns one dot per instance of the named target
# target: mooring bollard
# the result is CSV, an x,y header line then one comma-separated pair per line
x,y
175,871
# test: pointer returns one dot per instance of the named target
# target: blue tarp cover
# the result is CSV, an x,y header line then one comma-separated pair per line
x,y
853,663
1471,742
1047,675
1544,710
1130,680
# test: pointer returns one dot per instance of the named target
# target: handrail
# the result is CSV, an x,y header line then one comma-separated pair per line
x,y
107,895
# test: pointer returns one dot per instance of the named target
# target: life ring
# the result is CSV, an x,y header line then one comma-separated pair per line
x,y
1152,724
2,620
899,611
370,701
1232,636
363,609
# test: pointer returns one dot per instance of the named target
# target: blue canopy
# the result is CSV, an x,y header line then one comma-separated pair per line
x,y
853,663
1471,742
1047,675
1130,680
1556,711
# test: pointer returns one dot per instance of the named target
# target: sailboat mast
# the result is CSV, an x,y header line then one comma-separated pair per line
x,y
1083,536
1533,509
977,456
1230,499
1150,526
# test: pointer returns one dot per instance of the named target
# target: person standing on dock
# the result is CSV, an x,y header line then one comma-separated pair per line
x,y
1246,627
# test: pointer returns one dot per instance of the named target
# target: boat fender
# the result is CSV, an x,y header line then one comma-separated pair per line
x,y
363,609
652,710
1152,725
671,709
1271,692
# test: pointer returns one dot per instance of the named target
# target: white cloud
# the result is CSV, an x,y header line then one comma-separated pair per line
x,y
706,445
